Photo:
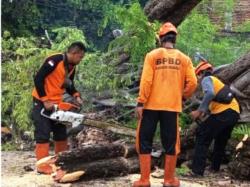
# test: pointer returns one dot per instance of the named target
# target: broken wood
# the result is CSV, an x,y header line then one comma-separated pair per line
x,y
119,129
92,135
240,165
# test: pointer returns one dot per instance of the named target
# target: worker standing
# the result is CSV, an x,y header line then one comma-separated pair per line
x,y
168,76
54,78
223,109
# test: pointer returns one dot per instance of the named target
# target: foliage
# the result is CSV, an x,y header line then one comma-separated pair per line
x,y
244,27
71,20
241,130
20,17
28,17
98,72
9,146
183,170
65,36
94,75
198,34
184,120
139,34
17,79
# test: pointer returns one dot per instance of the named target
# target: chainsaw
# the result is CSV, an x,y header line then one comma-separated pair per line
x,y
62,114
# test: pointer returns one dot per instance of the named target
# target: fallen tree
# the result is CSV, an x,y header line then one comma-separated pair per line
x,y
237,75
109,160
169,10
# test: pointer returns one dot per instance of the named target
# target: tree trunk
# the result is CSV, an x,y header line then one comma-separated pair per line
x,y
232,71
118,166
94,152
237,75
169,10
103,160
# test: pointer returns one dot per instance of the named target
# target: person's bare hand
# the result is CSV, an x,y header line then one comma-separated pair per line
x,y
196,114
79,100
48,105
139,111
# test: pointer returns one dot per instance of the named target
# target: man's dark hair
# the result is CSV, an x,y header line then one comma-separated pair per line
x,y
169,37
76,47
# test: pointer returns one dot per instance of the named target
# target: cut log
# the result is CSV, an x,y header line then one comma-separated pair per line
x,y
94,152
119,166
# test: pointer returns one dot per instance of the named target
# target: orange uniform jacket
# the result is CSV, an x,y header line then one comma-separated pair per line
x,y
168,76
50,78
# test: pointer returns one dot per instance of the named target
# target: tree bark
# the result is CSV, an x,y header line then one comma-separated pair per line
x,y
237,75
169,10
118,166
232,71
94,152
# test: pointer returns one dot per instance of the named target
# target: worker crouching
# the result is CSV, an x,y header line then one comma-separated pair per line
x,y
222,109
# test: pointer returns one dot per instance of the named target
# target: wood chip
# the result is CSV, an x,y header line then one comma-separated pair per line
x,y
70,177
239,146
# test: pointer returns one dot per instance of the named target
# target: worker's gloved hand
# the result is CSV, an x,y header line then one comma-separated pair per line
x,y
48,105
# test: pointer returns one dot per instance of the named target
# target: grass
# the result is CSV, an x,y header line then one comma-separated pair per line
x,y
9,146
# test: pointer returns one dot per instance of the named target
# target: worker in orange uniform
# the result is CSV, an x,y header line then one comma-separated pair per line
x,y
168,76
223,109
54,78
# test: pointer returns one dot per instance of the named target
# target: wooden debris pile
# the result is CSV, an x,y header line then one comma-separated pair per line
x,y
240,166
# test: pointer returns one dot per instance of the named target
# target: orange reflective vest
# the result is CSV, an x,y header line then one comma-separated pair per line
x,y
216,107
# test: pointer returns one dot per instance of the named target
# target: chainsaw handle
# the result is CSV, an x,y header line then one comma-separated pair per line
x,y
43,113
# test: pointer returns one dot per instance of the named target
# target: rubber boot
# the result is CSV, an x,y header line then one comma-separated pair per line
x,y
145,167
61,146
42,151
169,176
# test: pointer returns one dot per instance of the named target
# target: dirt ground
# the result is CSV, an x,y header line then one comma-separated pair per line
x,y
17,170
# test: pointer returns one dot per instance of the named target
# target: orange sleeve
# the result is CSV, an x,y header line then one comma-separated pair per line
x,y
146,79
45,98
190,80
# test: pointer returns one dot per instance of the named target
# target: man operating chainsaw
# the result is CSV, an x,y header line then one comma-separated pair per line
x,y
223,109
52,81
